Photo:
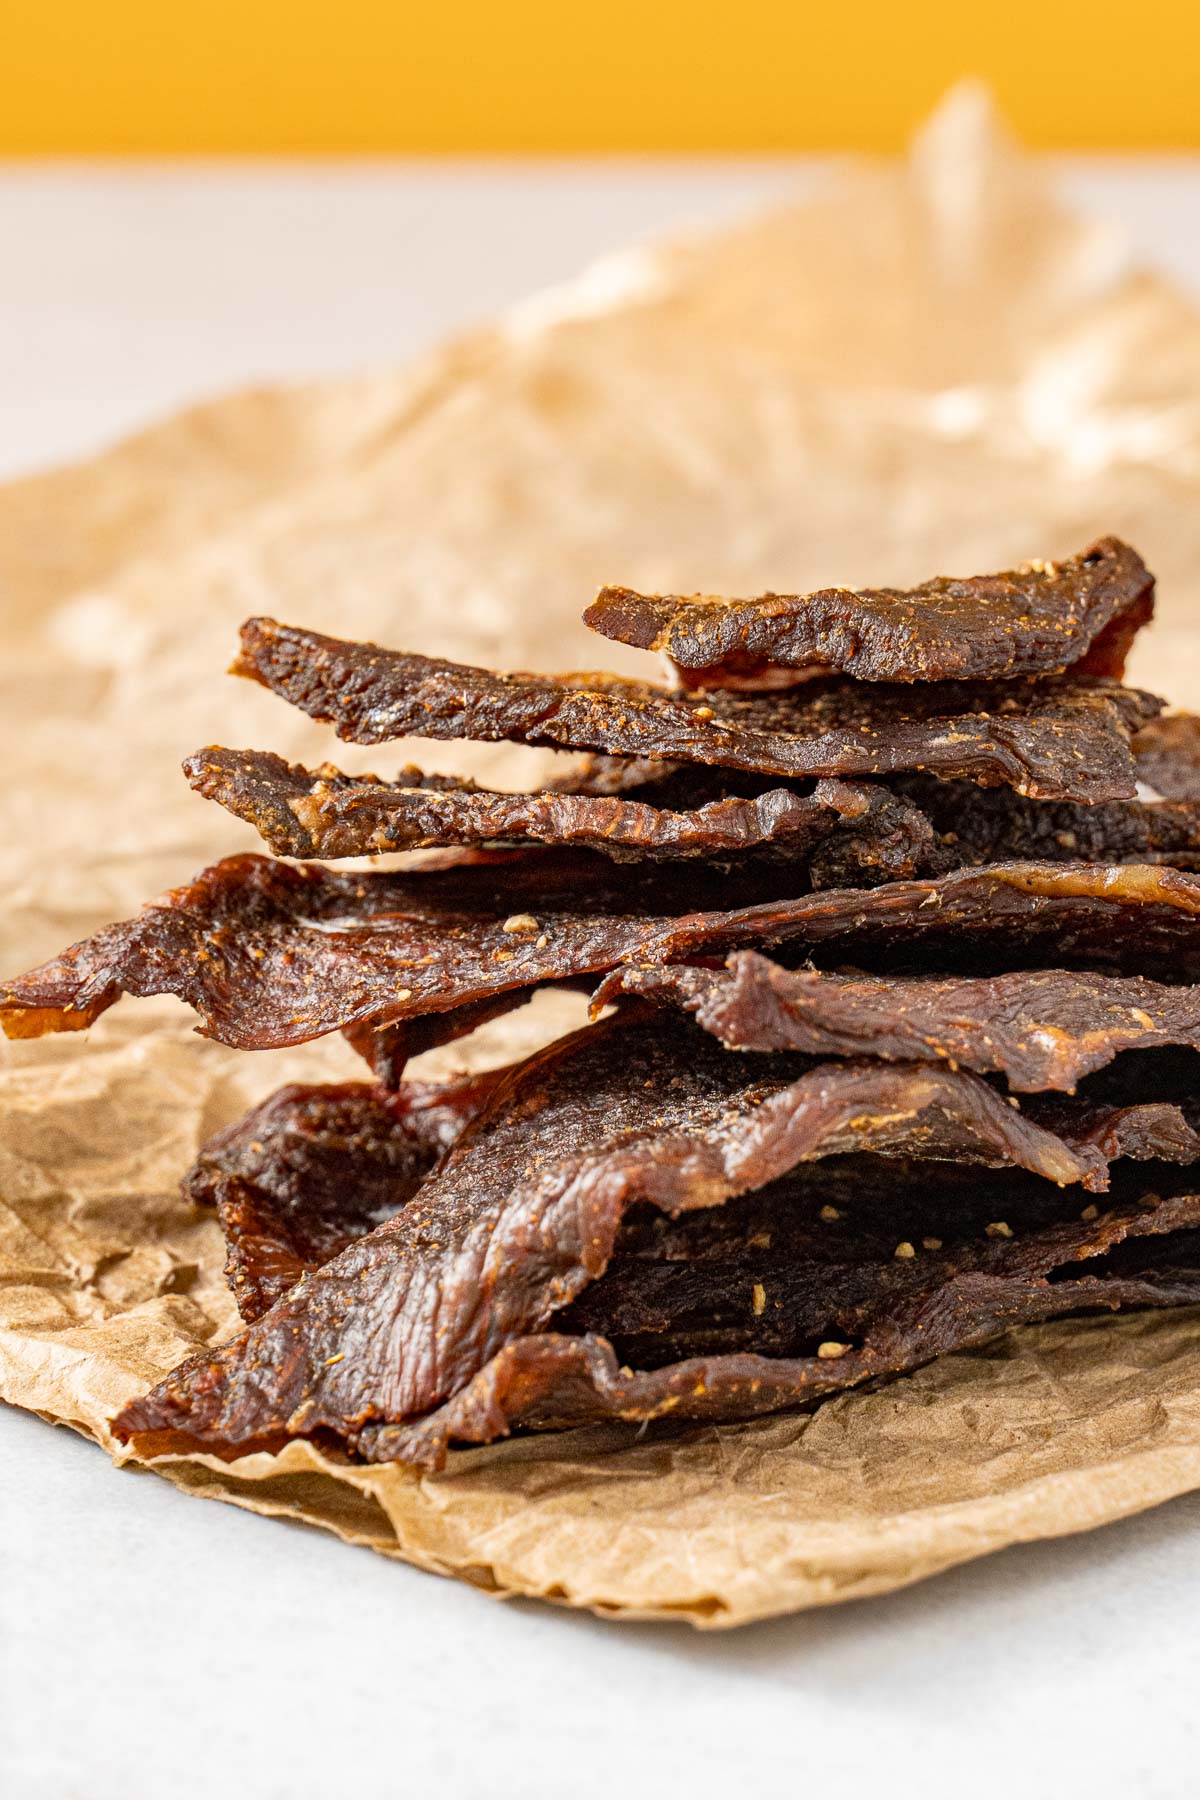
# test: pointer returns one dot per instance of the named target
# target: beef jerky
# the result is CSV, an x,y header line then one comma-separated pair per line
x,y
300,812
973,825
819,1271
525,1211
1149,1257
1040,1028
1168,756
272,954
843,833
313,1168
1081,613
1062,739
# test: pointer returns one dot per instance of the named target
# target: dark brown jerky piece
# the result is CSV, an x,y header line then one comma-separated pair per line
x,y
301,812
973,825
272,954
525,1211
1041,1028
269,953
845,834
1081,613
1168,756
1059,739
313,1168
1130,1258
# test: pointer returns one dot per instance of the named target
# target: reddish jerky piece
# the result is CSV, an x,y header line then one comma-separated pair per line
x,y
552,1380
525,1211
1060,739
272,954
1080,613
313,1168
301,812
1041,1028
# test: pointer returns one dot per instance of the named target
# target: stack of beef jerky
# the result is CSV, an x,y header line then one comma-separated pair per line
x,y
889,912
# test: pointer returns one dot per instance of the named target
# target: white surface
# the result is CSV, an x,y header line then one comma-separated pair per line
x,y
152,1644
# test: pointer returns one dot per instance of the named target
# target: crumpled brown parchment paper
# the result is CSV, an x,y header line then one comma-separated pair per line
x,y
930,368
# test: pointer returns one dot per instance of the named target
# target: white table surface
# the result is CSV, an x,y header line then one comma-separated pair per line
x,y
152,1644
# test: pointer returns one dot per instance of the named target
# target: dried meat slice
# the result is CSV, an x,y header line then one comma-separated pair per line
x,y
1145,1257
312,1168
320,812
1062,739
272,954
526,1209
844,833
1079,613
1039,1028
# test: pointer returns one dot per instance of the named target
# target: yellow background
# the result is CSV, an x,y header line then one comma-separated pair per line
x,y
516,75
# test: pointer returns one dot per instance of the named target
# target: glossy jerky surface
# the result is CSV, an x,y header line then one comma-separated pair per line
x,y
1060,739
1040,1028
526,1210
1081,612
313,1168
271,954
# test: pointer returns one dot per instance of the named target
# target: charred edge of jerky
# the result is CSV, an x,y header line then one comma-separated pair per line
x,y
314,1167
1082,612
1062,738
524,1213
1041,1028
271,954
552,1381
300,813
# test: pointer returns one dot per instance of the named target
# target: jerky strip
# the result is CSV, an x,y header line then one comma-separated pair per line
x,y
954,1303
300,812
271,954
313,1168
1063,739
844,833
1081,613
1041,1028
525,1211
